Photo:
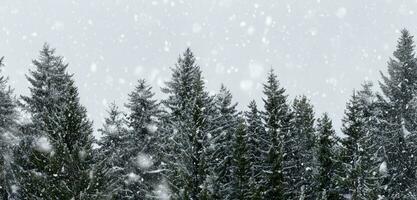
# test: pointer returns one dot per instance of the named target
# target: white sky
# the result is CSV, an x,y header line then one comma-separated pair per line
x,y
323,49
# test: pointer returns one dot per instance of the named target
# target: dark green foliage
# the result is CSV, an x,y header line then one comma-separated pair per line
x,y
352,149
257,145
360,147
7,137
300,179
188,123
198,146
110,159
241,168
129,147
399,123
59,159
141,144
224,129
326,159
277,119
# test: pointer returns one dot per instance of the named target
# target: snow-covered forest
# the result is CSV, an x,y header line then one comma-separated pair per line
x,y
196,145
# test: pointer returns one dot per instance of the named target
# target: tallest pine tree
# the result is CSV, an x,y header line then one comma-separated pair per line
x,y
399,89
186,129
277,122
55,157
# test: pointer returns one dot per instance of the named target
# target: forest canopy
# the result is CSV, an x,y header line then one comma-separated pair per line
x,y
197,145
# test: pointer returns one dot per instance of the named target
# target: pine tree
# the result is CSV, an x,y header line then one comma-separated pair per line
x,y
8,136
302,161
399,89
111,157
55,159
360,147
240,166
277,119
142,144
370,144
327,160
373,156
352,148
186,130
257,152
224,129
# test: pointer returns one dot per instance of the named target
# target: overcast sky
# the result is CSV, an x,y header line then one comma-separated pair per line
x,y
321,48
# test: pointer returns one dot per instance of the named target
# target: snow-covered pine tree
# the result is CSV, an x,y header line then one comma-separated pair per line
x,y
8,112
301,178
222,136
400,89
141,146
8,136
257,144
240,165
360,149
186,129
352,152
373,156
55,157
326,160
277,119
110,156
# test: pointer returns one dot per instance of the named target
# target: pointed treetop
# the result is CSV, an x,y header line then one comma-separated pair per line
x,y
113,112
224,96
352,116
272,86
301,100
46,48
405,47
187,59
302,107
252,106
47,60
143,108
185,68
325,123
142,89
367,85
366,93
272,78
188,52
141,96
114,122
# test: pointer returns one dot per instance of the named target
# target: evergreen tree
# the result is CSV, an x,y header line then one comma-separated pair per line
x,y
186,129
55,157
142,144
302,161
257,144
361,177
112,148
224,129
352,152
8,136
399,89
277,119
370,144
327,160
373,154
240,169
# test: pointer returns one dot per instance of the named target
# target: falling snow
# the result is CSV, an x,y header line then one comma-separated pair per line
x,y
144,161
43,144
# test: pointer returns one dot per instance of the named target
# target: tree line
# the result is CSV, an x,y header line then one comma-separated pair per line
x,y
199,146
